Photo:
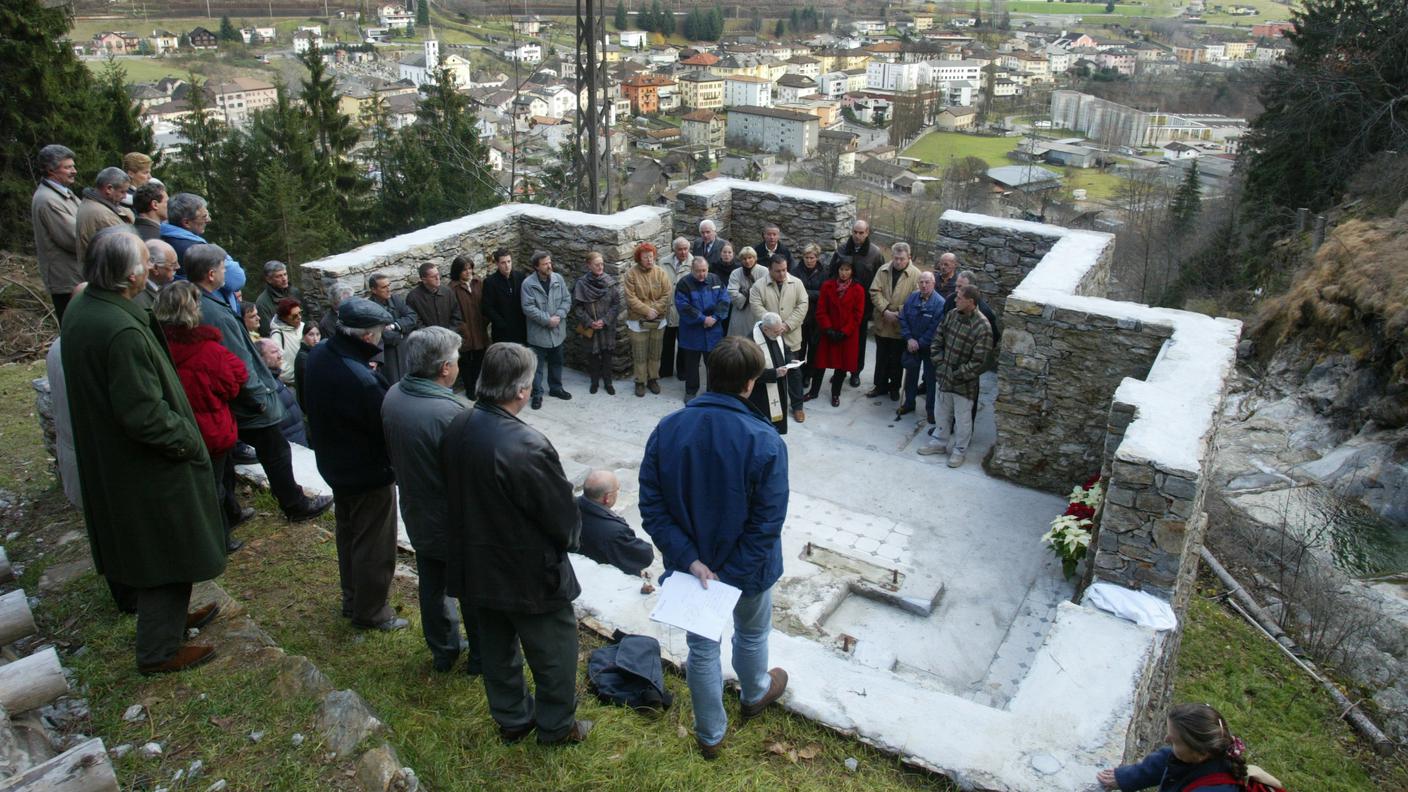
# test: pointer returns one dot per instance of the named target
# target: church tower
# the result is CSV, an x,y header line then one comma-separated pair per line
x,y
432,52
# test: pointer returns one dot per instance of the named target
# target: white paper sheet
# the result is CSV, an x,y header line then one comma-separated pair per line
x,y
685,604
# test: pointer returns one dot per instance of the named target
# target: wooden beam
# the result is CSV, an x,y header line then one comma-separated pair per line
x,y
83,768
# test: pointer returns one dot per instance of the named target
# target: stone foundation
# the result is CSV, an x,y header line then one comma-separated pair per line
x,y
740,209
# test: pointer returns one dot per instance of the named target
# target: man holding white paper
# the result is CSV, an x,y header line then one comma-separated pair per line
x,y
713,497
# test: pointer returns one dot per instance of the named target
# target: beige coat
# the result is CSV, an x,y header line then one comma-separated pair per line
x,y
789,302
95,214
681,269
646,290
54,214
888,296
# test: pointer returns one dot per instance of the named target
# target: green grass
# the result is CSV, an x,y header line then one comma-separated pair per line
x,y
1098,186
938,148
1086,9
1290,726
24,464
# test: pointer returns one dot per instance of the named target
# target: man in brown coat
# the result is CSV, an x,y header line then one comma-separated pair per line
x,y
434,304
54,213
102,206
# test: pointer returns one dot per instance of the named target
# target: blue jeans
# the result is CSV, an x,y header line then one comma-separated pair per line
x,y
913,366
549,368
752,621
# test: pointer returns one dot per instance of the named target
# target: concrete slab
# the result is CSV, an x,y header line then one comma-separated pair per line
x,y
893,535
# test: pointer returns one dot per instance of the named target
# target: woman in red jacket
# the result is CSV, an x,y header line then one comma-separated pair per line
x,y
212,377
838,318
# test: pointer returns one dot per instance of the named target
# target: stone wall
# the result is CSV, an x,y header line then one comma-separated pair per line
x,y
1000,259
520,228
741,208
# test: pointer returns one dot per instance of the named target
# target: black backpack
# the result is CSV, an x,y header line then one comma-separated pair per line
x,y
628,672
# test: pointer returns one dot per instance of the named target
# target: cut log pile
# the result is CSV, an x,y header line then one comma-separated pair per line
x,y
27,683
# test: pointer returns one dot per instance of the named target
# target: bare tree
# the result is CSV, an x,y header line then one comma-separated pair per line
x,y
962,187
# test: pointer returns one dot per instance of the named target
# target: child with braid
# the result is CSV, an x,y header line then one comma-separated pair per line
x,y
1202,754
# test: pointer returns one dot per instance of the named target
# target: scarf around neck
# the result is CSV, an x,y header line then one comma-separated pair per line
x,y
591,288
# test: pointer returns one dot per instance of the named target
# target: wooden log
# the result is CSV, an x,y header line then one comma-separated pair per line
x,y
16,619
32,681
82,768
7,573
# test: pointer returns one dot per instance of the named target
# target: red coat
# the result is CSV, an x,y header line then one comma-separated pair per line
x,y
836,311
212,377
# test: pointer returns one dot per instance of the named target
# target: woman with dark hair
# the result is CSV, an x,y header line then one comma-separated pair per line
x,y
596,302
838,317
212,377
286,330
1202,754
473,329
312,334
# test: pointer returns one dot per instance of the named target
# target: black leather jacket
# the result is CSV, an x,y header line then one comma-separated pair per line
x,y
512,515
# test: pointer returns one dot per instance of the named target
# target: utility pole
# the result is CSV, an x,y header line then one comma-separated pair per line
x,y
593,121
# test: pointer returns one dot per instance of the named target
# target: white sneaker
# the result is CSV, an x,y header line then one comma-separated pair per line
x,y
934,448
956,460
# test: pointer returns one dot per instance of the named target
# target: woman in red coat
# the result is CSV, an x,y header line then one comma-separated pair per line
x,y
212,377
838,318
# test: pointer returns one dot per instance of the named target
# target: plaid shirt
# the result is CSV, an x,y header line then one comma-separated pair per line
x,y
959,351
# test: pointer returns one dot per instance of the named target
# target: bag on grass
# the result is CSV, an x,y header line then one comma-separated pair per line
x,y
628,672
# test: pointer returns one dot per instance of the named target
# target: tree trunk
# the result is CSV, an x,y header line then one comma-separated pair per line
x,y
83,768
16,620
32,682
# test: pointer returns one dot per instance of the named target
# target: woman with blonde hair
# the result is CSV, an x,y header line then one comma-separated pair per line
x,y
740,287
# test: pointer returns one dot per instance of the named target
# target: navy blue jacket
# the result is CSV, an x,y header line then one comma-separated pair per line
x,y
713,488
1163,771
608,539
344,400
693,302
919,320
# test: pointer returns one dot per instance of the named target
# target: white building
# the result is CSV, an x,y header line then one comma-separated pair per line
x,y
936,72
773,130
886,76
832,84
524,53
744,90
792,87
305,39
869,27
238,98
394,17
631,39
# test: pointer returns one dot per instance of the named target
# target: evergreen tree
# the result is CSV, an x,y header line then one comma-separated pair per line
x,y
195,170
334,137
621,20
49,96
716,30
645,20
664,20
423,13
118,113
228,31
1187,200
779,29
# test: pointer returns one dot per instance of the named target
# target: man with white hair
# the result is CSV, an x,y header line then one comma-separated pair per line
x,y
187,216
54,212
414,416
161,270
135,434
770,394
344,397
327,324
711,248
102,206
677,266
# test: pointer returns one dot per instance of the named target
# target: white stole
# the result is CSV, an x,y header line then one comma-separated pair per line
x,y
774,395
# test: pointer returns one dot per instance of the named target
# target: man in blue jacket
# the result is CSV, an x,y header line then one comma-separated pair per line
x,y
186,218
919,318
713,497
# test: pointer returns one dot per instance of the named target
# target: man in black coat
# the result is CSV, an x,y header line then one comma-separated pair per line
x,y
606,538
503,301
711,248
772,246
512,520
344,396
866,260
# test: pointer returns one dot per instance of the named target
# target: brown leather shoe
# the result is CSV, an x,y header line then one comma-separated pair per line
x,y
199,618
799,416
653,386
640,389
515,734
579,732
188,656
710,752
779,684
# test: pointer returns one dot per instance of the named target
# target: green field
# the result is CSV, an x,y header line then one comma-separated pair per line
x,y
938,148
1084,9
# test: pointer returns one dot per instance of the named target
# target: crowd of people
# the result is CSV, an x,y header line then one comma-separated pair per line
x,y
410,403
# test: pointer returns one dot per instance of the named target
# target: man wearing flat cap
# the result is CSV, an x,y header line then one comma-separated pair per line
x,y
344,395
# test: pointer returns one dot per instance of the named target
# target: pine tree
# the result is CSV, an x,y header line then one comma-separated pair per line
x,y
228,31
195,170
664,20
621,20
645,19
716,30
423,13
1187,200
118,113
334,136
779,30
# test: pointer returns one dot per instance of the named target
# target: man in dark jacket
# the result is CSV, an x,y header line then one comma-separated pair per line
x,y
713,496
503,301
772,246
149,204
606,538
133,429
414,416
344,412
392,359
258,410
276,288
435,305
711,248
866,260
512,520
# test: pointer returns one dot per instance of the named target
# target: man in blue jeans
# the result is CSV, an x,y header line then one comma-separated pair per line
x,y
713,497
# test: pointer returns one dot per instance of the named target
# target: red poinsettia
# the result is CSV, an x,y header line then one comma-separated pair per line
x,y
1080,511
1090,482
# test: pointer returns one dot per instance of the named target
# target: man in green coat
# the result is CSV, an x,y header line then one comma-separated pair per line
x,y
148,488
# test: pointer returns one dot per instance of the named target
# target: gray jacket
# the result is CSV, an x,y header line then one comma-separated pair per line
x,y
413,426
539,305
54,213
393,357
258,404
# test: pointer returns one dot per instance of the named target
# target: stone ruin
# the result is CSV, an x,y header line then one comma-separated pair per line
x,y
918,610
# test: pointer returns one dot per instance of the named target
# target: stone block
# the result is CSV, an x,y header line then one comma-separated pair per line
x,y
1131,473
1169,535
345,720
1179,488
1151,502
